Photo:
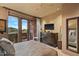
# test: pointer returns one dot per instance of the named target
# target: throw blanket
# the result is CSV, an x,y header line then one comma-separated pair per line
x,y
33,48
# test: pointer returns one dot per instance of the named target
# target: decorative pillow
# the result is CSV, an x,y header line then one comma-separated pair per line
x,y
5,39
1,51
7,47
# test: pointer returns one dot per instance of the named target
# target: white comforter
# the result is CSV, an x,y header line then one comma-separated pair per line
x,y
33,48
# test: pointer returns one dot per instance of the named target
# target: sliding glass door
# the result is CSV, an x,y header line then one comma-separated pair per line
x,y
13,28
24,29
17,29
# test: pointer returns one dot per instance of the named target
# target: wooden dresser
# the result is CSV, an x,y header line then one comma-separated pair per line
x,y
50,38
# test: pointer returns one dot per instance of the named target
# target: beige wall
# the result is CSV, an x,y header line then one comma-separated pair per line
x,y
55,19
59,19
69,11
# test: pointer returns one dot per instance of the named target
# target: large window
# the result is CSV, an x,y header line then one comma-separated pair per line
x,y
24,30
24,26
13,28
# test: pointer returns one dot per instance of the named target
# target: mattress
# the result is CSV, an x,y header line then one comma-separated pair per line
x,y
33,48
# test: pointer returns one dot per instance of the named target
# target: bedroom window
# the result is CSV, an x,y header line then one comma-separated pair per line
x,y
24,29
24,26
13,28
17,29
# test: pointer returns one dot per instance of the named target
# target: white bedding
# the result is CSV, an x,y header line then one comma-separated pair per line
x,y
33,48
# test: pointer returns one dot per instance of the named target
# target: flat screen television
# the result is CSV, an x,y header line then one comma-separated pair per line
x,y
49,26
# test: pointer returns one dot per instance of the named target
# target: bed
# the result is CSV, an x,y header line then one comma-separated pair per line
x,y
29,48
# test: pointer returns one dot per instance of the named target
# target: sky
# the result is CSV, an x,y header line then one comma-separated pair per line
x,y
13,22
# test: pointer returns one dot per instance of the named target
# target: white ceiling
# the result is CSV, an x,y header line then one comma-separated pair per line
x,y
35,9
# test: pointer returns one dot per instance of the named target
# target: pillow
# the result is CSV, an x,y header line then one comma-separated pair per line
x,y
5,39
7,46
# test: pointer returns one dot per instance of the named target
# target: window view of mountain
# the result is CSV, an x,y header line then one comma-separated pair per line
x,y
10,29
24,26
12,24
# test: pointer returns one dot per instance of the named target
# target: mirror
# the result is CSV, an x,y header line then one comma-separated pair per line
x,y
72,33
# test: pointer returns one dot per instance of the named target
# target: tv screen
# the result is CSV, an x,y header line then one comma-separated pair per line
x,y
49,26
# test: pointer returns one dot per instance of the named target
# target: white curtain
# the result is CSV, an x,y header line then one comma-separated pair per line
x,y
38,24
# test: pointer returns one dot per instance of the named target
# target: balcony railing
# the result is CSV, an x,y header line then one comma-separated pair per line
x,y
13,36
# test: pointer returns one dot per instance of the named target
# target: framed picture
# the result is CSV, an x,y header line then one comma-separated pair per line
x,y
2,25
